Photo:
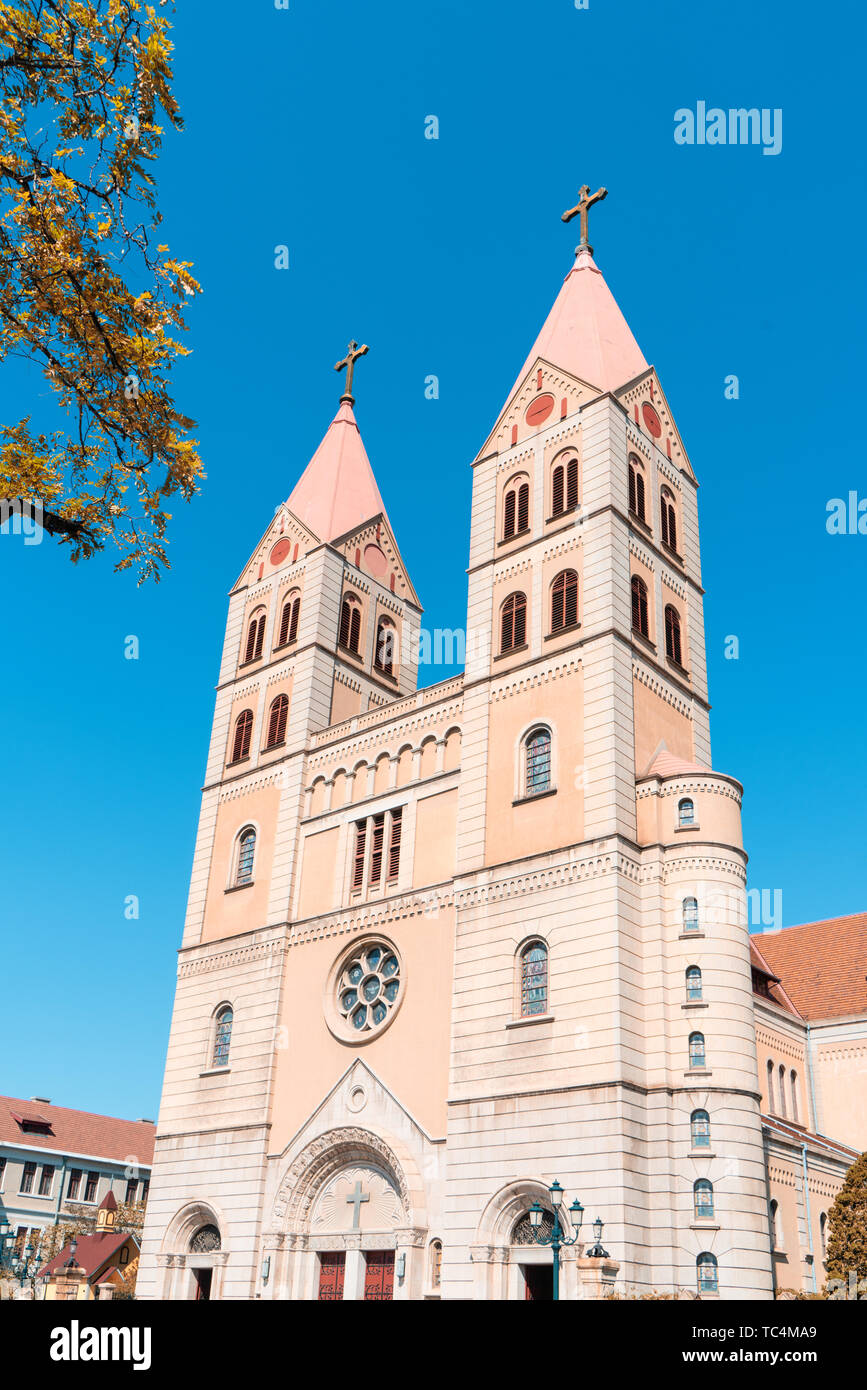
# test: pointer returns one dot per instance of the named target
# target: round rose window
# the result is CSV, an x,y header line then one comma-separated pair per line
x,y
368,987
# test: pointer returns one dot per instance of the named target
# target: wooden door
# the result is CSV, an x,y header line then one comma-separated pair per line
x,y
379,1276
332,1265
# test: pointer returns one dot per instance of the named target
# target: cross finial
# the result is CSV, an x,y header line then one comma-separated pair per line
x,y
348,363
586,199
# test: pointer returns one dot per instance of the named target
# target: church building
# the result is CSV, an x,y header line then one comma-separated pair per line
x,y
449,946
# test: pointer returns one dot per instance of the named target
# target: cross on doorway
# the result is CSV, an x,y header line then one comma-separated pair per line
x,y
355,1199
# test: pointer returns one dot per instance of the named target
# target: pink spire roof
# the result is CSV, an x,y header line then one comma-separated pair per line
x,y
585,333
337,490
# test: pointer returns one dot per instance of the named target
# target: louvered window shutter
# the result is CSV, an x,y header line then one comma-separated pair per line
x,y
523,506
520,621
394,844
293,624
345,621
557,491
376,846
572,484
358,863
509,515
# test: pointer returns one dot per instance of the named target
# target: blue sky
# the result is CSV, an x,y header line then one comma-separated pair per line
x,y
306,127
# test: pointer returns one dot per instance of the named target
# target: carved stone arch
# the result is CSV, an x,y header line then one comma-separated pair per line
x,y
506,1208
324,1157
187,1221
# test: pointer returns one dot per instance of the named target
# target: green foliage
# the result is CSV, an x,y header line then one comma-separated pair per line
x,y
847,1226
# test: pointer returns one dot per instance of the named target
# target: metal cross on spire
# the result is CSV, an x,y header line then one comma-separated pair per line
x,y
586,199
348,363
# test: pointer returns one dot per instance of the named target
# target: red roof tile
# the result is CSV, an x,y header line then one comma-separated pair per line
x,y
822,966
91,1254
78,1132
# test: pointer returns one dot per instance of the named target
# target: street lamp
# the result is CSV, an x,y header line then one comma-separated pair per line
x,y
597,1253
557,1237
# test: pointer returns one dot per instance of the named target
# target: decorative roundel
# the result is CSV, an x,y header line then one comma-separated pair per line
x,y
280,551
367,988
651,420
538,410
375,560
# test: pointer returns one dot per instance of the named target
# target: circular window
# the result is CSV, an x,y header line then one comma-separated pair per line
x,y
280,551
366,989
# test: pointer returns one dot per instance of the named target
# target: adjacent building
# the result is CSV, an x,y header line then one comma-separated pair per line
x,y
57,1164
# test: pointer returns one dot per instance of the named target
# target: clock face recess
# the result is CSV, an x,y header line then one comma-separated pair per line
x,y
280,551
651,419
538,410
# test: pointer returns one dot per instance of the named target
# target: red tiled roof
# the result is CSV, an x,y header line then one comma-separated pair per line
x,y
822,966
78,1132
805,1136
667,764
775,986
92,1253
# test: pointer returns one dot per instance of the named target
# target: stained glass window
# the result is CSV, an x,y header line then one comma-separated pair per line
x,y
368,986
700,1129
534,980
693,984
696,1050
703,1194
690,914
686,811
538,762
246,855
708,1274
222,1038
522,1233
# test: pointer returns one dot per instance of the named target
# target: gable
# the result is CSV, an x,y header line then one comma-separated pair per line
x,y
372,549
649,410
545,395
284,543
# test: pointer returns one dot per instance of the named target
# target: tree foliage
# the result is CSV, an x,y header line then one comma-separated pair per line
x,y
87,290
846,1249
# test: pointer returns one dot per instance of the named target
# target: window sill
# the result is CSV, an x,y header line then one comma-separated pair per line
x,y
284,646
694,1004
236,762
679,829
272,747
385,675
644,640
701,1153
567,511
534,796
691,936
698,1071
704,1223
513,651
508,540
561,631
681,670
672,553
215,1071
639,521
527,1022
239,887
348,651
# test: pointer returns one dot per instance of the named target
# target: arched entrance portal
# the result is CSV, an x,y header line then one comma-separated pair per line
x,y
348,1222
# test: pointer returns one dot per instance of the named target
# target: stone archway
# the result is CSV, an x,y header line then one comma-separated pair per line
x,y
194,1253
348,1200
504,1258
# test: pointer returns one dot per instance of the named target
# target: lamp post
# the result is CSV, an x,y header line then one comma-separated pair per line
x,y
6,1239
22,1265
596,1252
557,1238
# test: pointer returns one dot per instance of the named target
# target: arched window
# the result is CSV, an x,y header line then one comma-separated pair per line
x,y
516,509
636,488
206,1240
255,636
534,979
693,984
771,1109
773,1208
690,914
513,622
246,855
564,487
669,518
436,1263
699,1129
823,1232
383,656
703,1199
673,646
564,601
707,1273
686,811
793,1079
640,618
782,1091
243,733
222,1036
350,623
277,717
289,620
697,1056
537,756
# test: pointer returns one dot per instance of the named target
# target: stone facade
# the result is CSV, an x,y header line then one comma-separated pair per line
x,y
338,1160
